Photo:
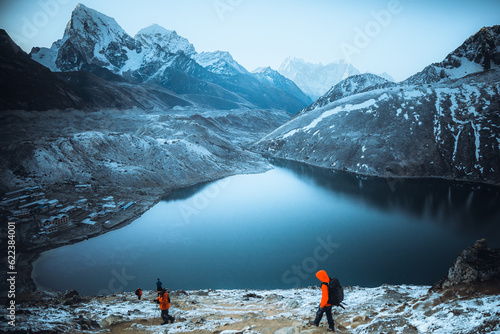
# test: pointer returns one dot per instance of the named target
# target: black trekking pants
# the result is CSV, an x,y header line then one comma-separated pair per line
x,y
166,317
319,315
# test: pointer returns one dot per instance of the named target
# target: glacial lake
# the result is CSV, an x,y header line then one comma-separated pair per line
x,y
276,229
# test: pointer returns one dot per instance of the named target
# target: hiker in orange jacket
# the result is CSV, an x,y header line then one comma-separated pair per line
x,y
324,307
138,293
164,301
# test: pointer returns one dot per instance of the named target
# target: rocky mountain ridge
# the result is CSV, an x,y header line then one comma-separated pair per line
x,y
352,85
366,125
161,57
27,85
478,53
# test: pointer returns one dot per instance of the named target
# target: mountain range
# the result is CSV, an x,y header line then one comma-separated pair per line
x,y
316,79
95,43
441,122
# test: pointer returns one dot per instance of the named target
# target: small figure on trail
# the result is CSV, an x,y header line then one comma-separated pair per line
x,y
331,294
138,293
164,301
158,285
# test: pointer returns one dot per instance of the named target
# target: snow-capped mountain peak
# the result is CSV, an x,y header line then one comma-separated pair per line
x,y
94,42
263,70
219,62
478,53
93,24
315,79
168,40
90,37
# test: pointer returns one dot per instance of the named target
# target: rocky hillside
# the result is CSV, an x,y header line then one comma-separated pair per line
x,y
478,53
470,306
385,309
475,266
353,85
25,84
133,148
273,78
161,57
449,128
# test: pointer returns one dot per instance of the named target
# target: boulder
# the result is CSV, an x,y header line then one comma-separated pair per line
x,y
111,320
274,298
293,303
288,330
251,295
476,264
69,294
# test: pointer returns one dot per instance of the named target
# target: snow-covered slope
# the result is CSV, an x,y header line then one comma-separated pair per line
x,y
94,38
450,131
132,148
219,62
350,86
478,53
89,37
273,78
399,309
448,128
386,76
315,79
167,40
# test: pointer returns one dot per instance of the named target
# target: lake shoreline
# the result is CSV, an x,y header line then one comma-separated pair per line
x,y
28,258
390,177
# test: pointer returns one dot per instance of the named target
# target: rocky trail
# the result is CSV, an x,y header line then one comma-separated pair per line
x,y
384,309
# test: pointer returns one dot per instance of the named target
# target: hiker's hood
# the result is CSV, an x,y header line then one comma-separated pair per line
x,y
323,276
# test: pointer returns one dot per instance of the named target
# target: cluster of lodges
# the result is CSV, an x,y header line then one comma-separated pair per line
x,y
30,204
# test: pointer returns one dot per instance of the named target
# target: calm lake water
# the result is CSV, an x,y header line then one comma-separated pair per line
x,y
275,230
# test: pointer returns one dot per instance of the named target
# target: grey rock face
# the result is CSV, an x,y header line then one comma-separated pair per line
x,y
350,86
476,264
369,126
448,131
478,53
25,84
166,150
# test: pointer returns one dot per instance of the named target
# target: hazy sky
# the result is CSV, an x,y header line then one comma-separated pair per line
x,y
400,37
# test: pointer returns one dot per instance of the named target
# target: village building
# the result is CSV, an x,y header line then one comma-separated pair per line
x,y
128,205
68,209
110,208
88,221
58,220
21,214
83,187
82,203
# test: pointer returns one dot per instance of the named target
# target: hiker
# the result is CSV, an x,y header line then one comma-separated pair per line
x,y
158,285
324,306
164,301
138,293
